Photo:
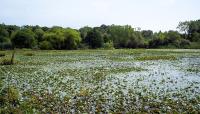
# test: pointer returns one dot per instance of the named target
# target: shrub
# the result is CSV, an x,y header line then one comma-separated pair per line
x,y
9,99
182,43
6,61
5,45
2,54
195,45
29,54
108,45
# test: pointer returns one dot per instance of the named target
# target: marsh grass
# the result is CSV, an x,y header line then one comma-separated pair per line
x,y
145,58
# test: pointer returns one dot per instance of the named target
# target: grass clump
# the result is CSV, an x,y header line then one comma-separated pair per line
x,y
6,61
2,54
171,57
9,98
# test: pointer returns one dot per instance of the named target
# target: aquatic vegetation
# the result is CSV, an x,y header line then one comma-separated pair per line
x,y
124,70
171,57
196,70
103,81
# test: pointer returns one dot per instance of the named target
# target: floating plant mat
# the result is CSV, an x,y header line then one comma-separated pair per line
x,y
107,81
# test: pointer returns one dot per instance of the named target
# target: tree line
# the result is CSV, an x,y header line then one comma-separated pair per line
x,y
105,36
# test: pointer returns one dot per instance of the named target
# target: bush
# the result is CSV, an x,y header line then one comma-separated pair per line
x,y
195,45
6,61
2,54
5,45
108,45
184,43
9,99
29,54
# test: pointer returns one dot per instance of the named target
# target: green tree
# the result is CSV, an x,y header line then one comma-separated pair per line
x,y
24,38
191,30
45,45
84,31
184,27
72,39
94,39
147,34
5,42
39,34
194,30
125,36
56,40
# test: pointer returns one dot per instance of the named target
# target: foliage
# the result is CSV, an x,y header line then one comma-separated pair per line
x,y
5,61
90,81
98,37
168,39
24,38
5,45
108,45
9,100
156,58
94,39
191,30
84,31
195,45
147,34
2,54
56,40
5,42
72,39
45,45
39,34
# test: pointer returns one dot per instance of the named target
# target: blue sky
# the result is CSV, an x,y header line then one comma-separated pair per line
x,y
146,14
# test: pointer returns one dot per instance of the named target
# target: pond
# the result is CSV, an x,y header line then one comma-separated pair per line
x,y
106,81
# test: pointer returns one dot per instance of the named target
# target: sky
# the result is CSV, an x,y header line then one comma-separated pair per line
x,y
155,15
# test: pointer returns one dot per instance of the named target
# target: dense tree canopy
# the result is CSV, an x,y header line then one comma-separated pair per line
x,y
191,29
94,39
72,39
24,38
4,39
105,36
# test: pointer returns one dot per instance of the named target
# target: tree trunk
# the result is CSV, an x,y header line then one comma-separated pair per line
x,y
13,56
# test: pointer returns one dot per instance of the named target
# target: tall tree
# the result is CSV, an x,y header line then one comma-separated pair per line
x,y
24,38
94,39
72,39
